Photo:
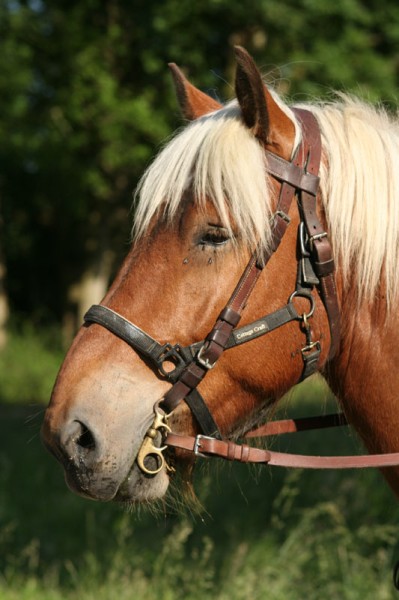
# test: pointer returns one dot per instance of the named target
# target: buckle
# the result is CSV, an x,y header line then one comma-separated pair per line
x,y
303,240
307,242
205,362
197,445
314,238
313,346
310,356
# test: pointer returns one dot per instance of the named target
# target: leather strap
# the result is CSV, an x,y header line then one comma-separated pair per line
x,y
158,353
206,446
291,173
320,248
294,425
202,414
140,340
127,331
217,340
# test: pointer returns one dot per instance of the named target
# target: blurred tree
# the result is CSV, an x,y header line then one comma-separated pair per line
x,y
85,98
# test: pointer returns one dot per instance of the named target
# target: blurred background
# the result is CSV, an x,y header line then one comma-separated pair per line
x,y
85,101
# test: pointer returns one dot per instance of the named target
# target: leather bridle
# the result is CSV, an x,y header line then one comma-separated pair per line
x,y
299,178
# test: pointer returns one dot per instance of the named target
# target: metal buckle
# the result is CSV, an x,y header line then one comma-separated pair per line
x,y
197,445
306,349
303,240
310,356
314,238
307,242
205,362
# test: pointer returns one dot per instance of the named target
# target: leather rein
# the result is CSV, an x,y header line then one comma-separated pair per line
x,y
191,363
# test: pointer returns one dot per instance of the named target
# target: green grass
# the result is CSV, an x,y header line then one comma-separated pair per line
x,y
266,533
29,364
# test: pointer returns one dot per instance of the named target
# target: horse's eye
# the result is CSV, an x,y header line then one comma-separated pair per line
x,y
217,236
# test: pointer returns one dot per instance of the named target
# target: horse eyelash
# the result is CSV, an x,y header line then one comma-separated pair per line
x,y
216,238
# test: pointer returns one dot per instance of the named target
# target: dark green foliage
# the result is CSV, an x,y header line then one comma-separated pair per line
x,y
86,98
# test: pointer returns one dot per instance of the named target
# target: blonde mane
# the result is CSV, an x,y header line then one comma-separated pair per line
x,y
360,189
217,157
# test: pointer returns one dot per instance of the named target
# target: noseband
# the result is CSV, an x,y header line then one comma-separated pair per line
x,y
191,363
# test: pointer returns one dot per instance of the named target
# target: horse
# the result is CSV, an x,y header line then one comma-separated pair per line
x,y
264,248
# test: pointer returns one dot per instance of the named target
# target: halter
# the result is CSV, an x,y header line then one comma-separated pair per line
x,y
192,363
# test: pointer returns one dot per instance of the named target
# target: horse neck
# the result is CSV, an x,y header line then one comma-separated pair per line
x,y
365,376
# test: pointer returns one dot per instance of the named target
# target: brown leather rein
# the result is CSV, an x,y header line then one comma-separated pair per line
x,y
205,446
315,271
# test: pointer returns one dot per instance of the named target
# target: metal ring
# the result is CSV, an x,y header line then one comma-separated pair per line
x,y
156,453
308,297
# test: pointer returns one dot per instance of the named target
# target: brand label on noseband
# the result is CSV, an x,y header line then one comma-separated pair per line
x,y
251,331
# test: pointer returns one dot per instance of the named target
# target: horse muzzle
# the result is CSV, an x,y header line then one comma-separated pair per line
x,y
96,471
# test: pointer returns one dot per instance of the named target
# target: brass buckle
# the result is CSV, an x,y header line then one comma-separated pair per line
x,y
148,447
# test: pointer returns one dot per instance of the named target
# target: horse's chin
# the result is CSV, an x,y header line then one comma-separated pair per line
x,y
137,487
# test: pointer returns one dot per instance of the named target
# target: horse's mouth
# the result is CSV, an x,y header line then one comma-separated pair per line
x,y
135,486
142,487
89,486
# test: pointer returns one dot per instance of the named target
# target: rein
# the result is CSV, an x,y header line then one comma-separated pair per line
x,y
192,363
205,447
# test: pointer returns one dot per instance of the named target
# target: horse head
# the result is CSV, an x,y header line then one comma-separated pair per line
x,y
230,264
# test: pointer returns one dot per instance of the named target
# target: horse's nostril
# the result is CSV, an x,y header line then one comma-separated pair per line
x,y
78,443
86,439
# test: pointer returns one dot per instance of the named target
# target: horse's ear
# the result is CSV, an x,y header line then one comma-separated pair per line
x,y
260,111
193,102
